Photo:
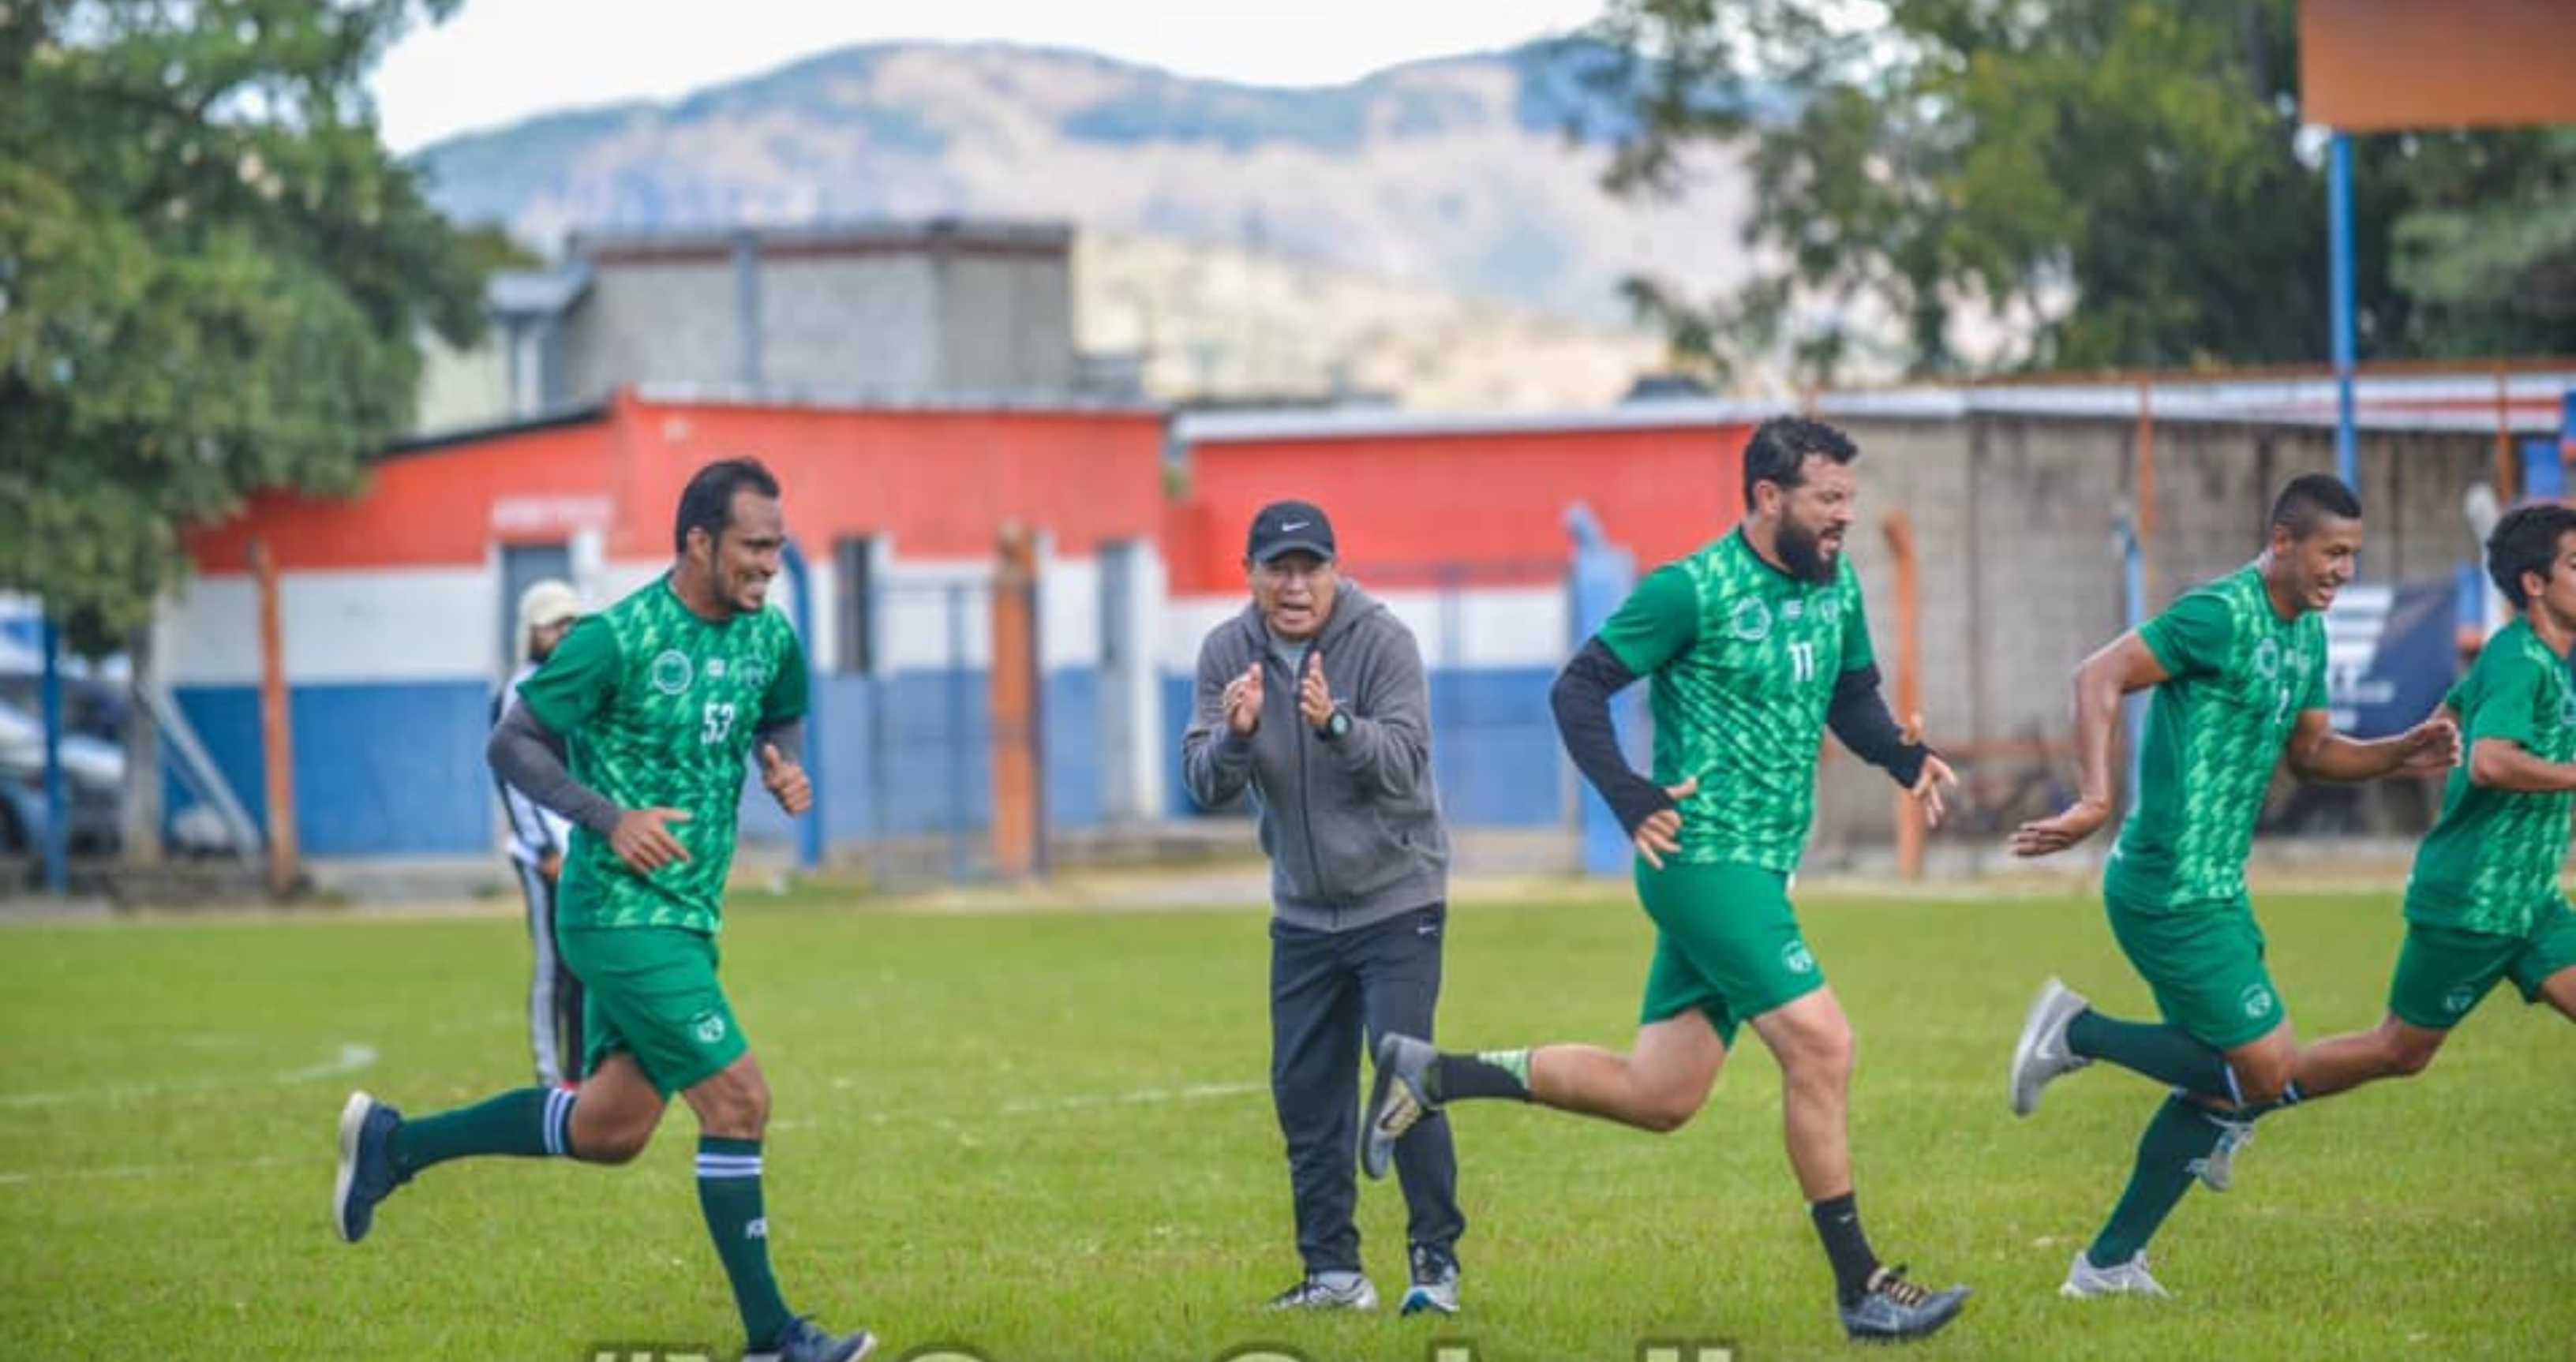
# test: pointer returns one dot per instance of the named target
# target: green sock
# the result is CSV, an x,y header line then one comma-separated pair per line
x,y
2182,1133
526,1123
1491,1073
729,1193
2167,1054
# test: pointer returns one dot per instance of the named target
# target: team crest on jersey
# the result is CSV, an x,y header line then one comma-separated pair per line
x,y
2267,659
2567,708
1795,958
752,672
1829,608
2256,1000
1751,620
708,1027
671,672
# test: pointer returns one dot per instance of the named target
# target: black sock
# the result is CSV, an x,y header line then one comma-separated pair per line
x,y
1838,1224
1493,1073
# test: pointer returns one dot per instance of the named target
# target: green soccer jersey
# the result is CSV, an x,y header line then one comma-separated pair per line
x,y
2239,676
2491,862
659,709
1744,659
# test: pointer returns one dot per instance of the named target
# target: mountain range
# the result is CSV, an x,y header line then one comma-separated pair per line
x,y
1368,229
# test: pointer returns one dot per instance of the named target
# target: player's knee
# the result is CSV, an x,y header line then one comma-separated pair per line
x,y
2263,1080
1665,1110
610,1146
2406,1054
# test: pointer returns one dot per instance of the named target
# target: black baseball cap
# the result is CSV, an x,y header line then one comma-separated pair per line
x,y
1289,527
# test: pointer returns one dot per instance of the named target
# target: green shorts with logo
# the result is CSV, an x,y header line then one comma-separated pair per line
x,y
2444,972
1726,943
652,991
2204,962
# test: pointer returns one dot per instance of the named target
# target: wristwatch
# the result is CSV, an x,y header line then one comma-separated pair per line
x,y
1336,724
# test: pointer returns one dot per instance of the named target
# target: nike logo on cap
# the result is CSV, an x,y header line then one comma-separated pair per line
x,y
1292,526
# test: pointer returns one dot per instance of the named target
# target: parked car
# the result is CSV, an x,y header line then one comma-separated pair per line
x,y
93,786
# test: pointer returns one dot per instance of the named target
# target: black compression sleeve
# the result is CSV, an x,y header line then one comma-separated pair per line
x,y
527,754
1581,700
1858,715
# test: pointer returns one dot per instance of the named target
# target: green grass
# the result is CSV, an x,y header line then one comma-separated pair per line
x,y
964,1153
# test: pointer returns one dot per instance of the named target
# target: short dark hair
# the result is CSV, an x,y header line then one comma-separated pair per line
x,y
2309,499
1777,452
2526,540
707,503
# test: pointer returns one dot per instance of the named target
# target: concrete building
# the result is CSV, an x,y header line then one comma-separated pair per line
x,y
950,308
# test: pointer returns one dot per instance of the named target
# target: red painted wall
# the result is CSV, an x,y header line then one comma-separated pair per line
x,y
1494,502
941,483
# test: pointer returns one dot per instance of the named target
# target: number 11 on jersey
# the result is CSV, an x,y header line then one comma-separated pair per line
x,y
1802,661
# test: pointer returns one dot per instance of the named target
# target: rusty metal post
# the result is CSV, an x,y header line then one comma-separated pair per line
x,y
1909,680
1018,781
277,732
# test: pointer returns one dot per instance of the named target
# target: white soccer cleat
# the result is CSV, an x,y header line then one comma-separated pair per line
x,y
2041,1054
2218,1171
2085,1281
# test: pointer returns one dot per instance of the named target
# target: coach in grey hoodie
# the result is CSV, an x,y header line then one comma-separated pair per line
x,y
1313,701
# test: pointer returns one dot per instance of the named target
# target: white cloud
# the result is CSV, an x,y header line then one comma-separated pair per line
x,y
501,60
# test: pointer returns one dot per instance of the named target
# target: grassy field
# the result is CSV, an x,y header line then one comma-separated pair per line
x,y
1031,1137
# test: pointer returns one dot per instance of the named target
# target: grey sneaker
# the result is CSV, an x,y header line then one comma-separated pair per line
x,y
2218,1171
804,1341
1317,1293
1396,1099
2041,1053
2085,1281
1893,1309
366,1174
1435,1282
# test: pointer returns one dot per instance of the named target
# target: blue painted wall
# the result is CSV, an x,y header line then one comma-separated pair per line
x,y
380,769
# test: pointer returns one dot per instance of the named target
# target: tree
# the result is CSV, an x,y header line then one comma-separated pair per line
x,y
2125,183
213,278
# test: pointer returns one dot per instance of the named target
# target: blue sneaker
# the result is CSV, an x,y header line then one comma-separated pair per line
x,y
1894,1310
1396,1099
1435,1282
804,1341
367,1173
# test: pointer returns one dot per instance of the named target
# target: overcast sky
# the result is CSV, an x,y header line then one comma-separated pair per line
x,y
498,61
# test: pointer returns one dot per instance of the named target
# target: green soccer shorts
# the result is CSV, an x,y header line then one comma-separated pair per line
x,y
652,991
2443,972
2204,962
1726,942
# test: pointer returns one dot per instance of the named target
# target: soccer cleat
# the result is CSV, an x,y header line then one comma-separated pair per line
x,y
2041,1054
803,1341
366,1173
1435,1282
1893,1309
1314,1293
2218,1171
2085,1281
1397,1099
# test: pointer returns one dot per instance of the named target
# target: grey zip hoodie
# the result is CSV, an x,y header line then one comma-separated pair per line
x,y
1353,827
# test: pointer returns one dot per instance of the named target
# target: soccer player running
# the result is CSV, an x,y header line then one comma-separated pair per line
x,y
2238,668
2484,902
1757,643
660,699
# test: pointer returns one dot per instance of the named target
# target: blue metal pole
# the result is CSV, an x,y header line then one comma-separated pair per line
x,y
2133,586
809,831
2340,291
58,808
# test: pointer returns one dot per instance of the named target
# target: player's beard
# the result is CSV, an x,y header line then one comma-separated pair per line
x,y
1802,551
